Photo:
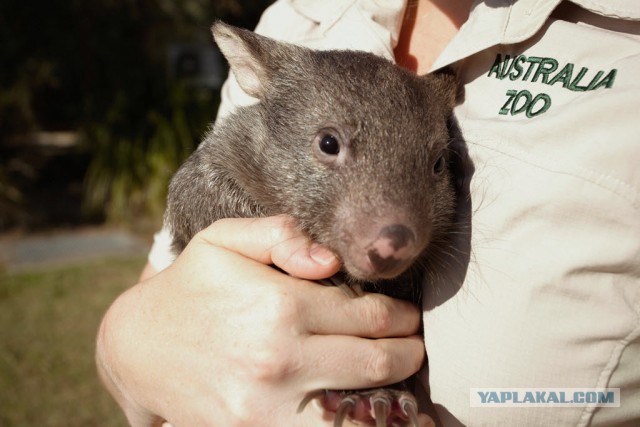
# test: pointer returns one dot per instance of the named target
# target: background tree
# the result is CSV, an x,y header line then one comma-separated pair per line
x,y
100,68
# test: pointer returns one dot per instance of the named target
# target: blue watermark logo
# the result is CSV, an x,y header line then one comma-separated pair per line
x,y
544,397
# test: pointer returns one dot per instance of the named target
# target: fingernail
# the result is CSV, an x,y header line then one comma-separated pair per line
x,y
321,254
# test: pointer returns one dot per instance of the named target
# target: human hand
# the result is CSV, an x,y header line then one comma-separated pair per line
x,y
222,338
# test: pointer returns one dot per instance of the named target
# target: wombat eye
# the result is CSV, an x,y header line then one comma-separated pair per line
x,y
329,145
438,166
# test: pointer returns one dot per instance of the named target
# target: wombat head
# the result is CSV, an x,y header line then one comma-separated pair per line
x,y
352,146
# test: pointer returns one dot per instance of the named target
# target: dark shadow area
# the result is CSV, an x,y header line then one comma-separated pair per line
x,y
448,263
48,180
101,101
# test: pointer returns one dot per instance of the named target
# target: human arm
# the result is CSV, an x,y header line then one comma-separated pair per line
x,y
148,271
221,338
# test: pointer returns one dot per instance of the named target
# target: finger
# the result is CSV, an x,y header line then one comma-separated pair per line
x,y
328,310
341,362
272,240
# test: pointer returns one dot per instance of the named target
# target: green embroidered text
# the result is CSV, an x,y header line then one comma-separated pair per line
x,y
548,71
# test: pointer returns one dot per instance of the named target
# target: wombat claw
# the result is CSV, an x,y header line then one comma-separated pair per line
x,y
386,405
347,404
352,290
409,406
381,404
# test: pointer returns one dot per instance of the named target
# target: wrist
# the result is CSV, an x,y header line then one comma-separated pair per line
x,y
107,367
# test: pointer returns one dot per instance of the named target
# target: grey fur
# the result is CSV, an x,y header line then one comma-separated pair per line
x,y
263,159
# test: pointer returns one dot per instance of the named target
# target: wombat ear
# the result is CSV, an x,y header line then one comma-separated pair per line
x,y
446,84
247,54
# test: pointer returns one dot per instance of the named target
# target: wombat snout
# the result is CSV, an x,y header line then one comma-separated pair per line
x,y
393,250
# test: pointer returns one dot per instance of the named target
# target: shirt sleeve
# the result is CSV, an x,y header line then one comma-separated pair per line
x,y
160,255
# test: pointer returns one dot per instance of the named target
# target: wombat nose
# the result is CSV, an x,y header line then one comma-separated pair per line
x,y
392,251
399,236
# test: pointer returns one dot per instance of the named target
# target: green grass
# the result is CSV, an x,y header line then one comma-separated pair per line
x,y
48,324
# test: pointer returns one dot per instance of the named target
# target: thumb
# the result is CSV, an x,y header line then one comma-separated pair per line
x,y
272,240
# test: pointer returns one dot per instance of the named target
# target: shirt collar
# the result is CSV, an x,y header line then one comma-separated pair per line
x,y
501,22
490,22
622,9
513,21
386,13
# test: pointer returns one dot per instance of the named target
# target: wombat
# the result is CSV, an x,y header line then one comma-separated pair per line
x,y
352,147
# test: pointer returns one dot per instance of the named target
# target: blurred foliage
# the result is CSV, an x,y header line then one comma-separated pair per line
x,y
100,67
130,170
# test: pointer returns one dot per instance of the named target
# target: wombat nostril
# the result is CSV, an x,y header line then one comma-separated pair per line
x,y
399,236
392,250
382,265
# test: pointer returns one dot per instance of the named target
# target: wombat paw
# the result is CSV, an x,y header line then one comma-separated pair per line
x,y
380,407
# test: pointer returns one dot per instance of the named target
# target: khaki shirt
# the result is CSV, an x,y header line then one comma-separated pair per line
x,y
551,120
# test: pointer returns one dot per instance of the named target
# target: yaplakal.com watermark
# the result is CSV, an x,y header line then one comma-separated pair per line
x,y
544,397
